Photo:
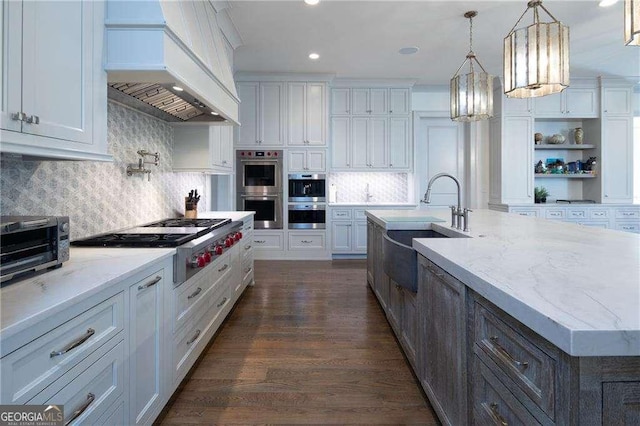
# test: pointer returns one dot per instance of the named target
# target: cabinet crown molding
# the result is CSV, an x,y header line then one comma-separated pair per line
x,y
282,76
394,83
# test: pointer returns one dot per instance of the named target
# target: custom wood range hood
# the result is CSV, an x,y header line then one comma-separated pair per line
x,y
168,59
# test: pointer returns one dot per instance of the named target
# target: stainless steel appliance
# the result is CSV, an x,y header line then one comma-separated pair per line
x,y
259,186
307,188
307,216
198,242
32,243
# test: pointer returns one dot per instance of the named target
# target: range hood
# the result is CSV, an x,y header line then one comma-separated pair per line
x,y
168,59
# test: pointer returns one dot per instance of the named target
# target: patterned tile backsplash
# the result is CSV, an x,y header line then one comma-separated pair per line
x,y
384,187
100,197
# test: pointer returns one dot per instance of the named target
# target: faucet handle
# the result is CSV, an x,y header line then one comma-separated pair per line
x,y
467,210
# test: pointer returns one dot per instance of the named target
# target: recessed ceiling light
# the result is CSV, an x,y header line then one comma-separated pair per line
x,y
314,56
408,50
607,3
312,2
178,88
214,113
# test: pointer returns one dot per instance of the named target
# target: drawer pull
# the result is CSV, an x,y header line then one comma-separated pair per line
x,y
195,293
222,302
259,241
225,266
249,269
493,408
504,353
74,344
90,398
153,282
247,247
436,273
193,339
306,241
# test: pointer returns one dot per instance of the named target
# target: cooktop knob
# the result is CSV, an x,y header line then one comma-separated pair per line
x,y
218,250
207,256
201,261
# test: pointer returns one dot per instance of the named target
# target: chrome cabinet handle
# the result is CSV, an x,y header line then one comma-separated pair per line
x,y
249,269
222,302
90,398
247,247
34,119
19,116
90,332
224,161
306,242
195,293
153,282
225,266
503,352
493,410
193,339
259,241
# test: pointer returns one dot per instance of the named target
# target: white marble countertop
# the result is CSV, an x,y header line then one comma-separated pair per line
x,y
87,272
577,286
372,204
233,215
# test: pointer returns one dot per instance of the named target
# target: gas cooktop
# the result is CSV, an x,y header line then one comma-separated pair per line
x,y
164,233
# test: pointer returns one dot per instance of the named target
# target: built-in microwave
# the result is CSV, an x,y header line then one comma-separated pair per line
x,y
309,188
307,216
32,243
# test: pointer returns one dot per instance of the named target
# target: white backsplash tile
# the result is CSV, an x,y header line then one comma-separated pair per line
x,y
100,197
384,187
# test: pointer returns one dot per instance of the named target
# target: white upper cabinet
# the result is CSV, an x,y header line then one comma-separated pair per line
x,y
399,146
571,103
369,142
617,160
514,106
340,142
306,114
261,114
307,160
54,90
341,101
369,101
399,101
617,101
203,148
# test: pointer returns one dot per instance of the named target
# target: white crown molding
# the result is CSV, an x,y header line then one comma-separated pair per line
x,y
282,76
373,82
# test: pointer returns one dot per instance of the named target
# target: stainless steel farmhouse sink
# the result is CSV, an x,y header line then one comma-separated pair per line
x,y
400,260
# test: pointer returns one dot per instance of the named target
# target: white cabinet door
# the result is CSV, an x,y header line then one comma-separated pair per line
x,y
297,161
399,101
11,77
359,141
549,106
226,147
516,106
517,181
617,160
315,109
340,101
360,101
340,142
248,132
399,143
360,237
377,142
341,237
617,101
581,102
316,161
215,146
296,107
272,111
146,367
378,102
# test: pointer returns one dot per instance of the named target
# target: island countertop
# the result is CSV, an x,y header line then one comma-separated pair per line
x,y
576,286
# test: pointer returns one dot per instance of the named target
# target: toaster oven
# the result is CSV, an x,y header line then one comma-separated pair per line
x,y
32,243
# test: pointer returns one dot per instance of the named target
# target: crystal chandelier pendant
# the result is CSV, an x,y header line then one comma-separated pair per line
x,y
536,57
632,22
471,94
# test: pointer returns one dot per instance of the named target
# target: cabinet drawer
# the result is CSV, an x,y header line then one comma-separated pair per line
x,y
247,247
493,404
247,270
305,241
532,370
576,214
113,416
628,227
598,214
247,226
358,214
88,396
627,214
525,212
268,241
188,296
341,214
554,214
28,370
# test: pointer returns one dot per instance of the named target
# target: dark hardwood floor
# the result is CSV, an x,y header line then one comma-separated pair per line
x,y
307,344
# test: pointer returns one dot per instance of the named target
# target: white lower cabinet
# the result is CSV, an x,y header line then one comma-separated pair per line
x,y
146,330
307,240
341,237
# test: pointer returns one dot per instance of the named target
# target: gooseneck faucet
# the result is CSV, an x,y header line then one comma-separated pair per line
x,y
459,216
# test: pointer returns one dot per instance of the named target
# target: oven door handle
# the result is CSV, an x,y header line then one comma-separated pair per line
x,y
259,162
258,196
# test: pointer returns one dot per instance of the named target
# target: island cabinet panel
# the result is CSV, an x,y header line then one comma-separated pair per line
x,y
621,403
409,325
443,360
394,307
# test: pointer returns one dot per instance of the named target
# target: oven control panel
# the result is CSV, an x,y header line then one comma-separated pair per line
x,y
259,154
213,251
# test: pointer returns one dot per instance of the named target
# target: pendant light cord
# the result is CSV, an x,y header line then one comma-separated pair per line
x,y
536,17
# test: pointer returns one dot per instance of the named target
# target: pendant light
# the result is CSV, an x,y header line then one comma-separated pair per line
x,y
536,58
632,22
472,93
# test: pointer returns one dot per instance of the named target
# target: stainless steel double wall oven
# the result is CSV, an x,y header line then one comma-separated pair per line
x,y
259,186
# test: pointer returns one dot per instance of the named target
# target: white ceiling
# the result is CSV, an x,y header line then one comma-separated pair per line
x,y
361,39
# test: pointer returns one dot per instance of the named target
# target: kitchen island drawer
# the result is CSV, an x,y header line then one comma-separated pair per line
x,y
531,369
87,397
526,212
31,368
493,404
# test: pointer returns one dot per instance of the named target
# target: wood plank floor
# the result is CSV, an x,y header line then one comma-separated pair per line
x,y
308,344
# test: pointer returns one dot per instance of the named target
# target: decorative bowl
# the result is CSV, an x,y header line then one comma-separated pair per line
x,y
556,139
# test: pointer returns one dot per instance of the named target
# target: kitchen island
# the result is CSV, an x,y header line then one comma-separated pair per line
x,y
538,320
